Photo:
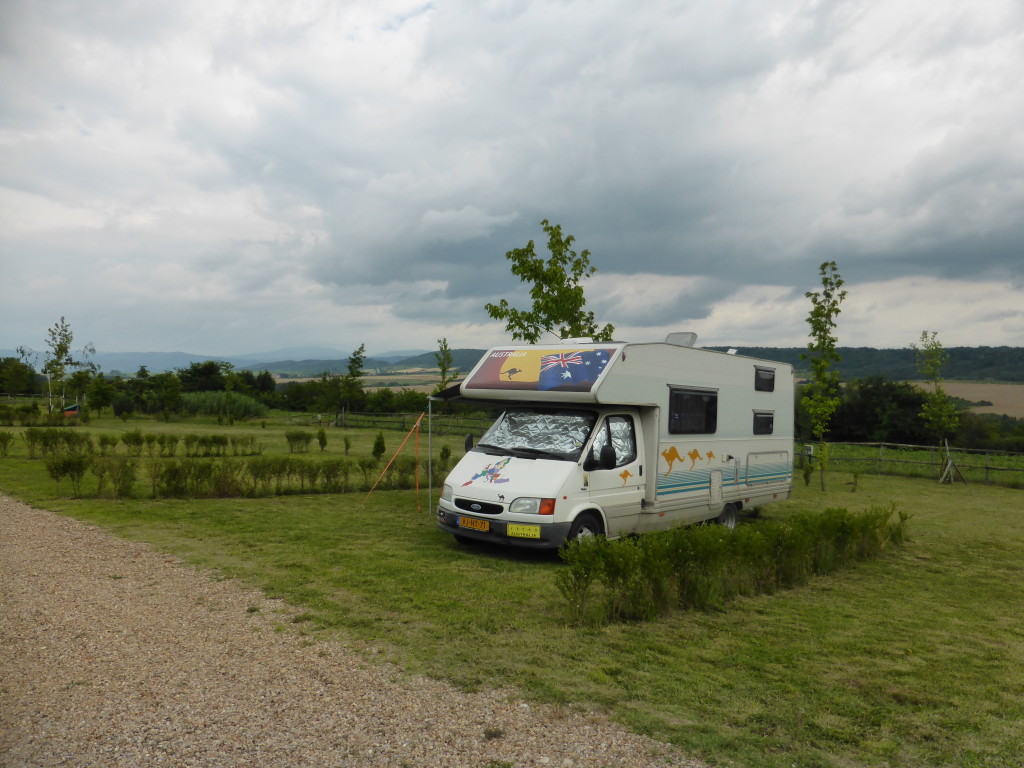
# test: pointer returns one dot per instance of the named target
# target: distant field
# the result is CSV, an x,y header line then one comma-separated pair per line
x,y
1006,399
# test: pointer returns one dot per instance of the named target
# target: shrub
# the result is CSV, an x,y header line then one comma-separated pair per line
x,y
321,438
71,465
224,405
168,444
102,467
335,473
226,479
261,473
107,443
307,472
298,440
702,567
366,465
5,441
133,441
246,445
31,437
123,475
171,477
379,448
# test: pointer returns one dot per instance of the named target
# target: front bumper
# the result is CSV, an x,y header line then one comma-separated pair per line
x,y
549,535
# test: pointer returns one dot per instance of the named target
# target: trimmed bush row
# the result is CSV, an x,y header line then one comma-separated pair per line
x,y
702,567
45,442
228,477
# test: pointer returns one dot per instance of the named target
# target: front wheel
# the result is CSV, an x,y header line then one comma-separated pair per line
x,y
584,526
728,516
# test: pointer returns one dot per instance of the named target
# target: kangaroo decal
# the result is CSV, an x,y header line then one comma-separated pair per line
x,y
671,455
694,456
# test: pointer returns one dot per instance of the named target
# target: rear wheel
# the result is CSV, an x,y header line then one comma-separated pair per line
x,y
728,516
584,526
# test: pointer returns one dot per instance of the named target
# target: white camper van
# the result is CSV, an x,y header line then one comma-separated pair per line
x,y
616,438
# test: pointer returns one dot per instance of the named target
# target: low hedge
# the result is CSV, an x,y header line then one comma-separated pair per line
x,y
702,567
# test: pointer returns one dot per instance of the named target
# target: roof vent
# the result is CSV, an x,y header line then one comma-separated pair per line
x,y
682,338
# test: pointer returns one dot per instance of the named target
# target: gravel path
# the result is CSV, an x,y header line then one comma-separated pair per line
x,y
113,654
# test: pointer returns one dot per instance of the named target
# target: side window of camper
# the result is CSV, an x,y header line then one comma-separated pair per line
x,y
764,422
764,379
619,430
692,411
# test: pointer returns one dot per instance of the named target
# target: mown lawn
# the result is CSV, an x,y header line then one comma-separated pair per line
x,y
909,660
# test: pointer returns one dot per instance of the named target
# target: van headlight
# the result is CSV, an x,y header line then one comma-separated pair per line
x,y
446,493
530,506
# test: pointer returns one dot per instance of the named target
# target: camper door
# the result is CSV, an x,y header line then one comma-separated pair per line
x,y
614,472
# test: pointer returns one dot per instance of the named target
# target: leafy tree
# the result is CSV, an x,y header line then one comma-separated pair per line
x,y
448,374
16,377
207,376
336,393
877,410
352,382
78,384
60,357
165,393
558,300
410,401
265,384
381,401
821,398
101,392
939,412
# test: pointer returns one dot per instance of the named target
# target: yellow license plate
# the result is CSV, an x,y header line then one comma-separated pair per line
x,y
523,531
472,522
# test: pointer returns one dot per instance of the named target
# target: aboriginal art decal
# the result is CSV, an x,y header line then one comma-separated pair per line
x,y
542,370
491,473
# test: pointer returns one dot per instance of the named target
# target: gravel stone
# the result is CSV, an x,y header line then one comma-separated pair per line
x,y
115,655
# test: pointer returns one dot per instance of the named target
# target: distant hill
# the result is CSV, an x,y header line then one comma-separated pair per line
x,y
1004,364
463,359
965,363
309,368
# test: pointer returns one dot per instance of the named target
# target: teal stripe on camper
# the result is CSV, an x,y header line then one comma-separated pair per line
x,y
688,482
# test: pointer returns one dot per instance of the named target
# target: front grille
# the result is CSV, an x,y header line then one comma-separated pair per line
x,y
479,507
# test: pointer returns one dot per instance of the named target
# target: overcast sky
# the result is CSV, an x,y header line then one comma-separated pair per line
x,y
224,177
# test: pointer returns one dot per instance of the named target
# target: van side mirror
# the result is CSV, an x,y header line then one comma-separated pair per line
x,y
606,459
469,442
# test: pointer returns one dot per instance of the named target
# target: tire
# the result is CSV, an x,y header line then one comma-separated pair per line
x,y
728,516
584,526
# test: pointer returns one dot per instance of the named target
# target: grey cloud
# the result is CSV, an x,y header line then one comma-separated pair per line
x,y
718,141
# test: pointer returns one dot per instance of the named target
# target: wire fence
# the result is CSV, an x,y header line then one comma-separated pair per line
x,y
974,465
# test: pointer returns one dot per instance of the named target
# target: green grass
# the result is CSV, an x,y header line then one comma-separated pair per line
x,y
912,659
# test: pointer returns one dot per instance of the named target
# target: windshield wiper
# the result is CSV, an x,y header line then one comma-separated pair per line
x,y
540,452
492,447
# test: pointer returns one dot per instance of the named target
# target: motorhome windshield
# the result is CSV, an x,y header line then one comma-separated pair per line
x,y
542,433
